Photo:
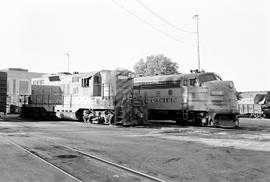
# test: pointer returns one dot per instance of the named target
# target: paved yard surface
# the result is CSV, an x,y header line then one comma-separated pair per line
x,y
170,153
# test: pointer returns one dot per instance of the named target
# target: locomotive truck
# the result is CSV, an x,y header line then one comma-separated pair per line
x,y
201,98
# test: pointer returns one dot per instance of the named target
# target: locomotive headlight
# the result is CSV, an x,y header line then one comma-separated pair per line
x,y
216,92
231,84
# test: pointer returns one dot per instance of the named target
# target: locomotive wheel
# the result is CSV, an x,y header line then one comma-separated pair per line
x,y
178,120
79,115
237,125
204,121
211,123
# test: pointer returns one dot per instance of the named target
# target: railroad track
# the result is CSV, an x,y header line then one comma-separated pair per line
x,y
140,175
112,163
43,160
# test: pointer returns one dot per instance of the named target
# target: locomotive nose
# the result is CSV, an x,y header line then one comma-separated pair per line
x,y
222,95
222,103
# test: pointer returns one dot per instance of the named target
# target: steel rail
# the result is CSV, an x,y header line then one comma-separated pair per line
x,y
96,158
43,160
111,163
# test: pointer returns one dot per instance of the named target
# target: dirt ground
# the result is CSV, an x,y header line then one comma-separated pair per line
x,y
171,153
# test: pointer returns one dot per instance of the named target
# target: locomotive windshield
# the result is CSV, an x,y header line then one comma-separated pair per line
x,y
208,77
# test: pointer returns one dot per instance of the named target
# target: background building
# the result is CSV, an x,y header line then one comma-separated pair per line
x,y
18,87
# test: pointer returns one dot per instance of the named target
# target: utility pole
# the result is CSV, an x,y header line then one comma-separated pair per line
x,y
68,60
196,17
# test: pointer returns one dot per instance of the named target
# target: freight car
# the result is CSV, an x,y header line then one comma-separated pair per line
x,y
67,96
250,110
3,92
254,104
18,87
201,98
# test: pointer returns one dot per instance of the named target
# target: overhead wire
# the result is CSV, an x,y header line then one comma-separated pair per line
x,y
164,20
150,25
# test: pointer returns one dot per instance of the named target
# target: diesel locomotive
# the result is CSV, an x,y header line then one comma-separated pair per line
x,y
67,96
201,98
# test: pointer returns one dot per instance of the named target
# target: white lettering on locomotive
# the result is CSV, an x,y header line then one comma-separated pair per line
x,y
163,100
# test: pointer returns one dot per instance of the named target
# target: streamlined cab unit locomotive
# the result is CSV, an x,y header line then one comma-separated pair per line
x,y
199,97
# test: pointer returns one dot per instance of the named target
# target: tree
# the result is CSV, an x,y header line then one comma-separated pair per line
x,y
140,67
156,65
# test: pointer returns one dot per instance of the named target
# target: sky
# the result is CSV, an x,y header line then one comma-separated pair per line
x,y
234,36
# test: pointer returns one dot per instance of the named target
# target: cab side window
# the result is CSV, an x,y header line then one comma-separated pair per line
x,y
185,82
193,82
86,82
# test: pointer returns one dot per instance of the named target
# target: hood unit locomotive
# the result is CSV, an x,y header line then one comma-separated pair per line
x,y
67,96
198,97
